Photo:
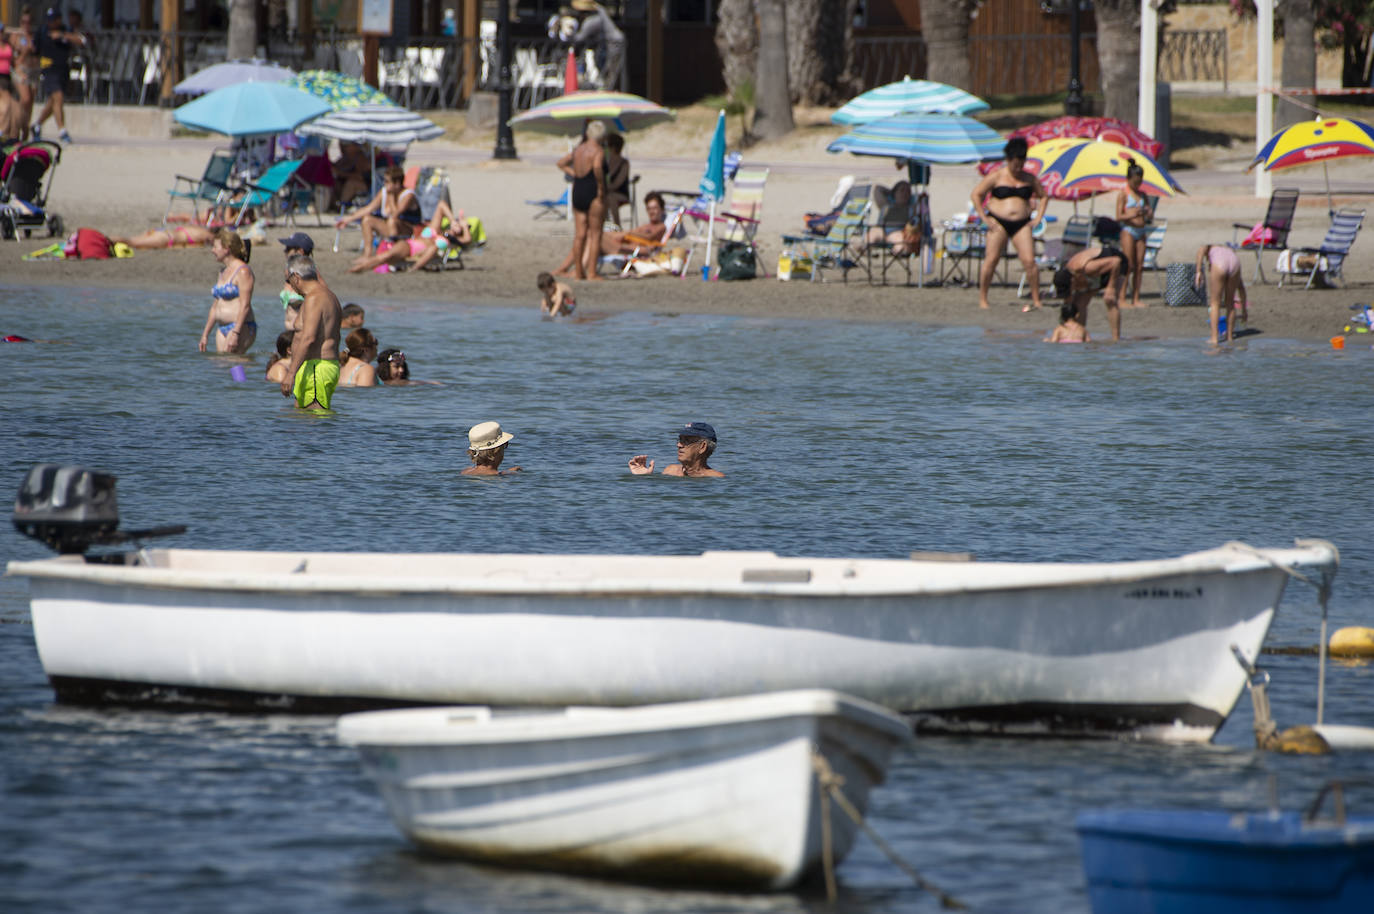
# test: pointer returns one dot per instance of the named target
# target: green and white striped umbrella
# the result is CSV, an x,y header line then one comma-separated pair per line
x,y
907,96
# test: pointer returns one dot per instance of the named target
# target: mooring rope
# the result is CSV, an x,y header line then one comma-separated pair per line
x,y
830,784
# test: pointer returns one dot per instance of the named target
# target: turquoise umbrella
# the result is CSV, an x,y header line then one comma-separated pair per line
x,y
251,109
936,139
340,91
907,96
713,184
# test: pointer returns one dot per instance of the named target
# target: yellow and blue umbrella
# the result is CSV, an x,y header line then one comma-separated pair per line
x,y
567,115
1068,165
338,90
1311,142
907,96
936,139
251,109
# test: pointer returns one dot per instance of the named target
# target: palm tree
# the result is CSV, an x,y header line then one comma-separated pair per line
x,y
820,51
773,101
1118,57
944,25
737,42
1299,57
242,41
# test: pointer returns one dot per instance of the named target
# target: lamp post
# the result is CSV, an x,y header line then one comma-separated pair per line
x,y
1073,102
505,142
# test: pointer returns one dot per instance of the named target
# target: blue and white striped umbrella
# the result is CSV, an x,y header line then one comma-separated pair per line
x,y
936,139
388,126
908,96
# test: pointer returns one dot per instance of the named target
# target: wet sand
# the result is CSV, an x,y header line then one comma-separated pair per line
x,y
119,186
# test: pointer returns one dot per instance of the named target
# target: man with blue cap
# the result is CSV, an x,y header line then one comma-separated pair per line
x,y
696,441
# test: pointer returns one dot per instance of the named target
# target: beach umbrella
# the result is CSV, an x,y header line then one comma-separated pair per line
x,y
388,126
935,139
713,182
339,90
567,115
907,96
1095,166
1320,140
251,109
1111,129
231,73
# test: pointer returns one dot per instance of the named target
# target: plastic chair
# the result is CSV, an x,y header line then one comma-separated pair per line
x,y
1330,258
1273,231
212,187
265,189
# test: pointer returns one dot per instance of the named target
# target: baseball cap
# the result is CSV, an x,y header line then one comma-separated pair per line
x,y
697,430
299,240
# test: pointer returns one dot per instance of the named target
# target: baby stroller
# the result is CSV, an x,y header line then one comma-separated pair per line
x,y
23,196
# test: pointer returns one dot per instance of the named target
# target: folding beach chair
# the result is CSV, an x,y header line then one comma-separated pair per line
x,y
1272,233
1078,234
212,187
262,193
832,250
648,254
1329,259
737,220
552,207
1154,241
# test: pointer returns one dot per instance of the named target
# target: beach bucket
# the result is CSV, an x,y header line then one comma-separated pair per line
x,y
1337,342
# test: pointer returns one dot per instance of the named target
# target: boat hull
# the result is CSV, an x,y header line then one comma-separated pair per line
x,y
1172,862
723,792
1142,650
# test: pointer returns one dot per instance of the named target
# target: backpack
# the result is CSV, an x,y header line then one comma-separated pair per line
x,y
87,244
736,261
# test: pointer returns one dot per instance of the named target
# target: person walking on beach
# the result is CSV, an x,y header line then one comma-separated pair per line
x,y
599,32
1133,213
486,448
1074,283
55,46
1224,287
231,298
586,165
1004,199
696,441
313,370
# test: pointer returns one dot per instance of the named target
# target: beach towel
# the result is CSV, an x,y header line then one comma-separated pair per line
x,y
1259,235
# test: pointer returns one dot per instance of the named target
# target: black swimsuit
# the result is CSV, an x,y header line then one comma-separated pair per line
x,y
1012,226
584,191
1109,250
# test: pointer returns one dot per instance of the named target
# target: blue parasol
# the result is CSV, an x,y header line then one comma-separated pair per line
x,y
251,109
936,139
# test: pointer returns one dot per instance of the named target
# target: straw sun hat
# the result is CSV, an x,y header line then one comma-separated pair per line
x,y
487,435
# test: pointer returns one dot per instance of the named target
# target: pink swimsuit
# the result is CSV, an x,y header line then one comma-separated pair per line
x,y
1225,258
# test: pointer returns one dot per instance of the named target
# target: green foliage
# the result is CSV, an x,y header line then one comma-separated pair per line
x,y
739,102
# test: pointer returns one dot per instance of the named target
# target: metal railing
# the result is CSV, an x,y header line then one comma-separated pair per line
x,y
878,61
1195,55
1000,64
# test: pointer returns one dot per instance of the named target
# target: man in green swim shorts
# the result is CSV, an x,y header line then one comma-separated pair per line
x,y
313,371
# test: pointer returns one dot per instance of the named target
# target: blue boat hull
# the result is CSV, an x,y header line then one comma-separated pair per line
x,y
1170,862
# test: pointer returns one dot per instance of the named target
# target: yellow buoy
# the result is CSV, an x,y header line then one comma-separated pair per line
x,y
1352,641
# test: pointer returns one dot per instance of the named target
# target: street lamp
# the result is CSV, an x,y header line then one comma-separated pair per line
x,y
505,141
1073,102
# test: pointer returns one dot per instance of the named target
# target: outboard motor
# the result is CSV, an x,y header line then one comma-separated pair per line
x,y
69,509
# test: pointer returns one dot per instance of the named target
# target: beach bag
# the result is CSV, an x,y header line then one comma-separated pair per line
x,y
736,261
87,244
1179,289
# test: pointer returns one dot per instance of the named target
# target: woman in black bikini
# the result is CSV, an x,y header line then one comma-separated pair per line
x,y
1004,199
586,164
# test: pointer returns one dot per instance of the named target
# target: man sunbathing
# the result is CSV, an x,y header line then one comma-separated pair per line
x,y
393,212
650,233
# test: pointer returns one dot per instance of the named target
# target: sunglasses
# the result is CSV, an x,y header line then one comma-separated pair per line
x,y
688,441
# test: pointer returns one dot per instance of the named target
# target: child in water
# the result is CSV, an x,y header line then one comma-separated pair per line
x,y
1070,329
558,300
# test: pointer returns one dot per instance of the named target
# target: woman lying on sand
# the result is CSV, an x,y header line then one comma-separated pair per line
x,y
181,236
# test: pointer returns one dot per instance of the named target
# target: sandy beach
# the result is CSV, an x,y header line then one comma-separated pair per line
x,y
119,186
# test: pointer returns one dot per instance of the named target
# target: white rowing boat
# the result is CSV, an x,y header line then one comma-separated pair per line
x,y
724,791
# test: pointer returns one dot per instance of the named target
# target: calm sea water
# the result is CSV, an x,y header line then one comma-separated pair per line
x,y
838,439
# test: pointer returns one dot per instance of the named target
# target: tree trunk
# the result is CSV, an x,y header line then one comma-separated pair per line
x,y
1299,58
243,30
773,101
1118,58
737,42
944,26
820,51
